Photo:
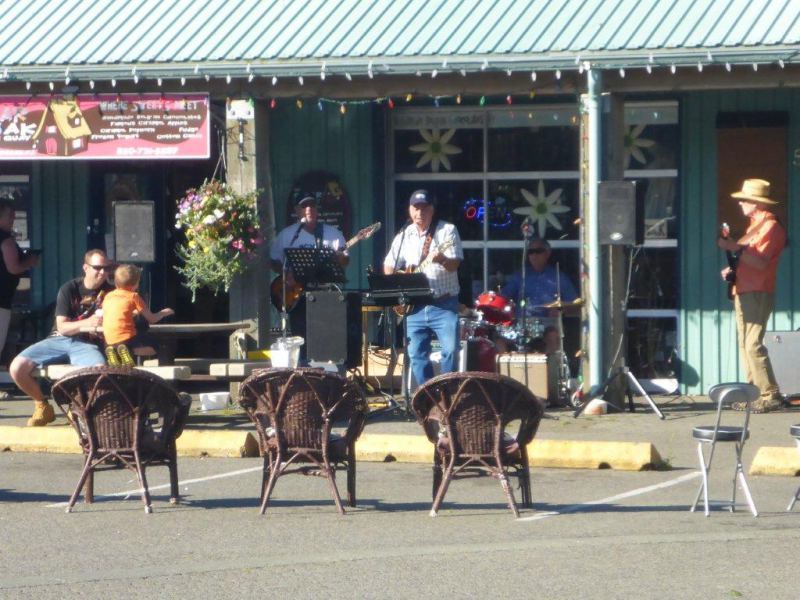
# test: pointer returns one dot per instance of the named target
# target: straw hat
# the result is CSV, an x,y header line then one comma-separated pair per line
x,y
755,190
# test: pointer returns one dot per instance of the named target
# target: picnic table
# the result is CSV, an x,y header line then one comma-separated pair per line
x,y
167,334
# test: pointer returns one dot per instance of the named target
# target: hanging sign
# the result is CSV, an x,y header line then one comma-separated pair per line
x,y
104,126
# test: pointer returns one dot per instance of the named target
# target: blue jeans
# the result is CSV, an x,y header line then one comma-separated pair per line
x,y
58,349
440,318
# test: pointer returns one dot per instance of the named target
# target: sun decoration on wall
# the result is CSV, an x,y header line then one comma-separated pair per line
x,y
435,148
633,145
543,208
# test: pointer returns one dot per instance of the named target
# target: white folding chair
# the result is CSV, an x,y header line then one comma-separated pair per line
x,y
724,394
795,431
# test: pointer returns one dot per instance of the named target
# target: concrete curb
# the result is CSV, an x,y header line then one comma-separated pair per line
x,y
561,454
377,447
61,439
219,444
770,460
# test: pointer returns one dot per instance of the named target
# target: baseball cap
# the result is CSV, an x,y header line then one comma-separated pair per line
x,y
303,199
420,197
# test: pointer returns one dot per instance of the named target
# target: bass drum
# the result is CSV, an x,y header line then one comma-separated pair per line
x,y
496,309
481,355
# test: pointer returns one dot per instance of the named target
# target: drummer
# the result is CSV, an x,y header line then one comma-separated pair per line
x,y
543,283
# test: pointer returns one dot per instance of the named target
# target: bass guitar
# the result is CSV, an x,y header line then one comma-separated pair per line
x,y
402,310
733,260
294,289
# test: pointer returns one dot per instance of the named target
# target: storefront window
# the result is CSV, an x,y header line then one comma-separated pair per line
x,y
651,159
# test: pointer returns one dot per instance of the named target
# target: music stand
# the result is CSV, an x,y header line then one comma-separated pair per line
x,y
398,288
314,266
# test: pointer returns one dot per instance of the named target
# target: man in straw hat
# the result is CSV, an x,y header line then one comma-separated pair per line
x,y
754,291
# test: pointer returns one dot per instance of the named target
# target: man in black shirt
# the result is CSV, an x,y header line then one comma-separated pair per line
x,y
76,307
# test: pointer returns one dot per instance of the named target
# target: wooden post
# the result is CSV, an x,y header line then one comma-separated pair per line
x,y
248,168
615,258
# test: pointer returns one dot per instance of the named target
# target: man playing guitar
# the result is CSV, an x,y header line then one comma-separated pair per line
x,y
308,233
419,242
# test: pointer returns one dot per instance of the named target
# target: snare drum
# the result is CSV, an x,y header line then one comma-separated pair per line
x,y
496,309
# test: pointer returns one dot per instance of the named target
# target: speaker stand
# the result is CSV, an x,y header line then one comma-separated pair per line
x,y
630,380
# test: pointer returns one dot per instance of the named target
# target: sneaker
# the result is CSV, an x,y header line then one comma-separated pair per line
x,y
125,356
111,357
762,405
42,415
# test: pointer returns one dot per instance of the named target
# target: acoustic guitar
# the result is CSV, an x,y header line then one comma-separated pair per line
x,y
733,260
294,289
402,310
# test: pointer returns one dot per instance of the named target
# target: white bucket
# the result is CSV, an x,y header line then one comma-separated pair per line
x,y
285,353
214,400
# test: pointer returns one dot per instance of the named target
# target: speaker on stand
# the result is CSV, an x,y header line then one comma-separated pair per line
x,y
134,237
620,214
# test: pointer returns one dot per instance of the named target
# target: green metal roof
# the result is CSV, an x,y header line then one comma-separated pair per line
x,y
44,37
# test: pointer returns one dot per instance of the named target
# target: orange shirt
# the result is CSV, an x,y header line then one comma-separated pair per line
x,y
766,239
118,309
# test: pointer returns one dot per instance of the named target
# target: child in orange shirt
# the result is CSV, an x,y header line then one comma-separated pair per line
x,y
120,308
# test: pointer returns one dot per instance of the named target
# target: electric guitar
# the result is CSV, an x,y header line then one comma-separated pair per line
x,y
733,260
402,310
294,289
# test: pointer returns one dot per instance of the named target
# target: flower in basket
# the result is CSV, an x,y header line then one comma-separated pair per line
x,y
222,235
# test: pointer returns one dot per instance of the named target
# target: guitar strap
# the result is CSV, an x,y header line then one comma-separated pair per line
x,y
426,247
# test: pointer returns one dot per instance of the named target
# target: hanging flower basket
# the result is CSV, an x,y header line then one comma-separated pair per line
x,y
222,235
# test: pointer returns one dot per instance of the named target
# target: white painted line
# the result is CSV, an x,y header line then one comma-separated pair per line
x,y
138,491
622,496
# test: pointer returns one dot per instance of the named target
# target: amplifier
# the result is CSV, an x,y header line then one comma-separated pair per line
x,y
535,371
333,327
784,348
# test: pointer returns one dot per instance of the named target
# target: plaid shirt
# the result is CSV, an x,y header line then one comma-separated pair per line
x,y
442,281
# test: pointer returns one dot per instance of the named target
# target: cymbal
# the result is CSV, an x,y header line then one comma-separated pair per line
x,y
561,305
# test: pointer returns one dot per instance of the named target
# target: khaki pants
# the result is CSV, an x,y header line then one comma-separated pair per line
x,y
752,312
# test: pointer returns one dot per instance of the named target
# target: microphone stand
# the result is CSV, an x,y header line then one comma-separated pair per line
x,y
406,370
522,296
284,312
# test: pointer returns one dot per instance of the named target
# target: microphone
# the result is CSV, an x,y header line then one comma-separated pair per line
x,y
527,227
303,220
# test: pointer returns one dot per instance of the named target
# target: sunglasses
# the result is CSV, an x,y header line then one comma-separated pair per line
x,y
537,251
99,268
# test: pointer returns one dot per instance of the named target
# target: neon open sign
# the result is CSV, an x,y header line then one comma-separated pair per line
x,y
499,215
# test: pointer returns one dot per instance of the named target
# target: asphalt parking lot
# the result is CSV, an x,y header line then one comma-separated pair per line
x,y
598,534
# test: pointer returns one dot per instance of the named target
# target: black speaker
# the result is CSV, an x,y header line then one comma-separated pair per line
x,y
134,232
620,213
333,327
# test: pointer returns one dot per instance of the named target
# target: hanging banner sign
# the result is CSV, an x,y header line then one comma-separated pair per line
x,y
105,126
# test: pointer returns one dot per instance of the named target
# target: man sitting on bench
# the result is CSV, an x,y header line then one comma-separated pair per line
x,y
76,307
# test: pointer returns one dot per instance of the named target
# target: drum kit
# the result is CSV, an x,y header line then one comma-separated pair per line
x,y
495,316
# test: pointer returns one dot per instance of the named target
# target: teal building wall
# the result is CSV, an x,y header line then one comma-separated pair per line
x,y
59,216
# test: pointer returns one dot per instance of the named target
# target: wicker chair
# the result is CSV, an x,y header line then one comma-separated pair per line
x,y
294,411
465,416
123,418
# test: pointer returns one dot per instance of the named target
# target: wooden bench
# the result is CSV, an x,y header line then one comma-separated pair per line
x,y
236,370
54,372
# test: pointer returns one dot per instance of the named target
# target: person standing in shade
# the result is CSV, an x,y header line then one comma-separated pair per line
x,y
15,262
76,338
309,232
754,290
427,237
